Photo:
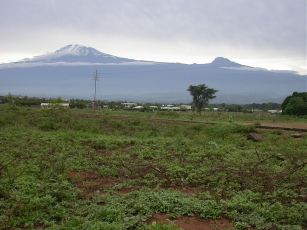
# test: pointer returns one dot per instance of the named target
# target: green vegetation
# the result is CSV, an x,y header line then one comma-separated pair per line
x,y
75,169
295,104
201,95
83,104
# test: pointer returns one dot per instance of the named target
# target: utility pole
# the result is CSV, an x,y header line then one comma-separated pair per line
x,y
95,78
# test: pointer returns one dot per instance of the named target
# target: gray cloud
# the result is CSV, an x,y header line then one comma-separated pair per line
x,y
201,28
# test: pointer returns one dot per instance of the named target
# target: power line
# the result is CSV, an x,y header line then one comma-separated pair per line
x,y
95,78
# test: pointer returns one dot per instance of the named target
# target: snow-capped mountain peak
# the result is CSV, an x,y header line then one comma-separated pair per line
x,y
77,50
77,53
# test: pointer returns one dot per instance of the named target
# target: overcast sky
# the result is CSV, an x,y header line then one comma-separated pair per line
x,y
264,33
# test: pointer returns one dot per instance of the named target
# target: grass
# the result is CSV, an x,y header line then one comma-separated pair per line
x,y
73,169
208,116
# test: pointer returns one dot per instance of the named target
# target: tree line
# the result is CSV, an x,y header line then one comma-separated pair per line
x,y
296,104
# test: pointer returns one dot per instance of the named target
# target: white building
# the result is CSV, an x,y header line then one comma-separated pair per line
x,y
129,104
185,107
52,105
153,107
169,108
64,105
45,105
274,111
138,107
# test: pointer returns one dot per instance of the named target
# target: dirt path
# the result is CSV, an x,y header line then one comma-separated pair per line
x,y
302,127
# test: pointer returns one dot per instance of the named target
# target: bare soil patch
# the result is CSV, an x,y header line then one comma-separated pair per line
x,y
192,222
104,152
302,127
90,182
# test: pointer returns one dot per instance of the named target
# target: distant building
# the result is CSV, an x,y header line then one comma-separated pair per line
x,y
153,107
44,105
274,111
185,107
170,108
215,109
64,105
52,105
129,105
138,107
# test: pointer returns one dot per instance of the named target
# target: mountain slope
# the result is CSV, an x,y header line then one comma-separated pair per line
x,y
68,72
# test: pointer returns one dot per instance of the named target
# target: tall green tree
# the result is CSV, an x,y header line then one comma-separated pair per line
x,y
295,104
201,95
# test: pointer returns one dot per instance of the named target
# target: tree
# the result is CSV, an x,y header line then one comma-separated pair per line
x,y
201,95
78,103
295,104
57,101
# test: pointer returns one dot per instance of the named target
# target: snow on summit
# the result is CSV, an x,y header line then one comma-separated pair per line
x,y
77,54
77,50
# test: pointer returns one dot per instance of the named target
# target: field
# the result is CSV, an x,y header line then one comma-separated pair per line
x,y
78,169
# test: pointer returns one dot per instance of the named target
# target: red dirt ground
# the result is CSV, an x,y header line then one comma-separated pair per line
x,y
293,126
90,182
286,125
192,223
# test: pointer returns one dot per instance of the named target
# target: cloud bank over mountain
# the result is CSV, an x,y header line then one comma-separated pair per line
x,y
263,33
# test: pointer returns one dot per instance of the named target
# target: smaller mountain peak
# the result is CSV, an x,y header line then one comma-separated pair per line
x,y
221,59
224,62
